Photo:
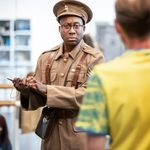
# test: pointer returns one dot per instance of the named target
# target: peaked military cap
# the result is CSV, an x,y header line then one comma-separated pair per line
x,y
72,7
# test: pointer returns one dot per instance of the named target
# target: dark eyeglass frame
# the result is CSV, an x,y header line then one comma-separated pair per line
x,y
67,27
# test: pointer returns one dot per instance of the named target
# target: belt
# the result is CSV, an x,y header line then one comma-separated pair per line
x,y
67,113
60,113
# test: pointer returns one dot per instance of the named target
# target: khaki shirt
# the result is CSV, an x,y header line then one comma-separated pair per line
x,y
61,94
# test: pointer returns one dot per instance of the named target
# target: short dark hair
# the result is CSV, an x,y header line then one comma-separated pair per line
x,y
88,40
134,16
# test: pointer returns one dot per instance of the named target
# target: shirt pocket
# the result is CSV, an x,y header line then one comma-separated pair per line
x,y
82,77
43,76
52,77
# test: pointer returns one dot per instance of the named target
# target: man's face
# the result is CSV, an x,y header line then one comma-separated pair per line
x,y
71,30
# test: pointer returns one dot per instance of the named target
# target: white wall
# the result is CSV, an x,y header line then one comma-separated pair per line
x,y
44,25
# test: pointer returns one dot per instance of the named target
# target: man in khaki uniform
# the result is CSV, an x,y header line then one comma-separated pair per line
x,y
61,75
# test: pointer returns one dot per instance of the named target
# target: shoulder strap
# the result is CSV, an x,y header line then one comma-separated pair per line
x,y
48,68
77,71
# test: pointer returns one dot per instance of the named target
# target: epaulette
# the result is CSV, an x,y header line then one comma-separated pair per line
x,y
52,49
90,50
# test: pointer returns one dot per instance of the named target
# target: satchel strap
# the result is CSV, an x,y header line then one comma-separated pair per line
x,y
77,71
48,67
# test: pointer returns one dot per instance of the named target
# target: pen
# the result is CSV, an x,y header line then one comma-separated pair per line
x,y
10,79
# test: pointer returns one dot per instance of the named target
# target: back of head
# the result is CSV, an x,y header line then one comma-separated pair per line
x,y
88,40
134,16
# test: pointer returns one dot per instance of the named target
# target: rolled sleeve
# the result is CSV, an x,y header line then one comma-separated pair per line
x,y
61,97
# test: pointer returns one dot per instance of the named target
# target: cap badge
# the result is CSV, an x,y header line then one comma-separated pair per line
x,y
66,8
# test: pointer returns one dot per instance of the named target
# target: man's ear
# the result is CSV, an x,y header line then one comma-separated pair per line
x,y
59,28
117,26
119,29
84,28
121,32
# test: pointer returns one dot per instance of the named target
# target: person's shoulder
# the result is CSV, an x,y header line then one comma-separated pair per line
x,y
47,53
92,51
54,49
112,65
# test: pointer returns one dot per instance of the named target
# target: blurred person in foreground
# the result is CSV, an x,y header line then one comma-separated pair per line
x,y
4,137
60,79
117,99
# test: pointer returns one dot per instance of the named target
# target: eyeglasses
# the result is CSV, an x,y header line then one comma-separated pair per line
x,y
68,27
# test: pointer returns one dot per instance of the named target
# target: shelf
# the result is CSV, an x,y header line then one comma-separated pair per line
x,y
15,43
22,48
5,63
5,33
22,32
22,56
4,48
23,64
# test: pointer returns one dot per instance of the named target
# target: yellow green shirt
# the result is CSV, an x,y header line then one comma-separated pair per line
x,y
117,101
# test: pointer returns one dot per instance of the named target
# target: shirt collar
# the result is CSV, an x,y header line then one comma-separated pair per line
x,y
73,53
76,50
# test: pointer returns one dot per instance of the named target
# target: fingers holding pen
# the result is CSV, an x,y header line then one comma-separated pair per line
x,y
17,81
31,82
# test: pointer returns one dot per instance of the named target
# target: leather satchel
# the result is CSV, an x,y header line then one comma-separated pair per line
x,y
47,122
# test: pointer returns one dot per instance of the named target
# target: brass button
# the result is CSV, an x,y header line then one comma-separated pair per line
x,y
73,70
65,60
60,122
62,74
